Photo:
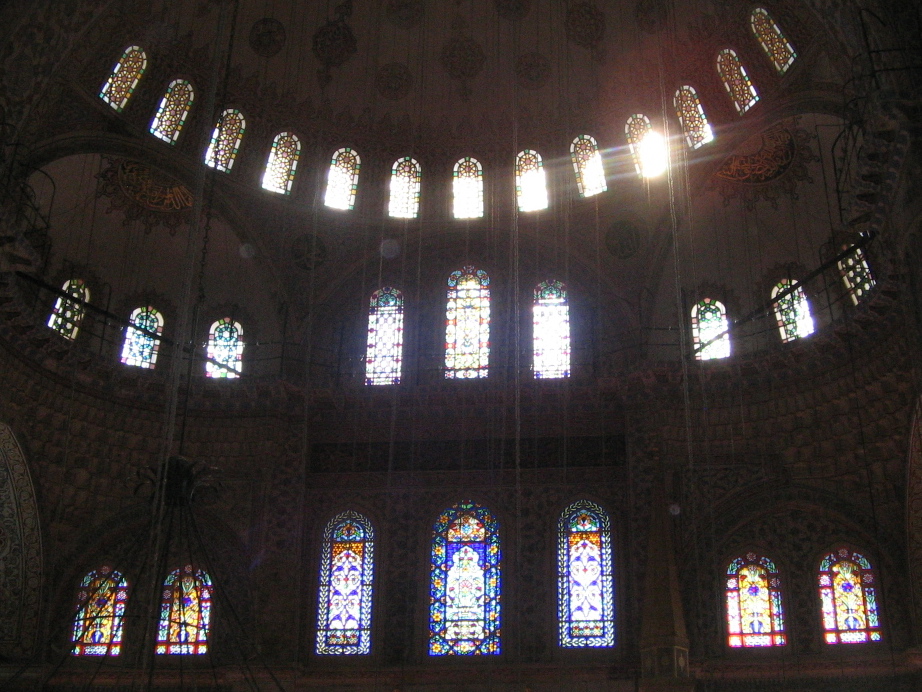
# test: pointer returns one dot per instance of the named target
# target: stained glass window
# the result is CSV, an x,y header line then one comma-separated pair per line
x,y
384,354
848,595
343,179
406,177
551,330
691,115
856,274
587,162
648,146
185,612
731,71
792,312
464,595
467,187
530,183
467,330
124,78
710,334
174,107
141,339
775,45
100,611
282,163
585,599
755,616
225,140
225,349
344,602
67,314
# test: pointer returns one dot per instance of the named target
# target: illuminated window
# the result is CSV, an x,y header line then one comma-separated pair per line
x,y
225,140
344,602
124,78
530,183
551,330
343,179
467,186
647,146
467,331
710,334
587,162
100,611
185,612
405,185
856,274
775,45
384,354
848,597
282,163
691,115
142,338
67,314
174,107
792,312
225,349
464,593
731,71
585,599
755,616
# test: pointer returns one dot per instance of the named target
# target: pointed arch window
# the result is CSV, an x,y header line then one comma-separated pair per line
x,y
755,614
733,74
384,354
530,181
772,39
856,274
587,162
585,591
551,335
225,349
67,314
691,115
467,330
792,312
848,597
124,78
710,326
467,189
346,570
225,140
173,110
343,179
282,163
185,612
464,597
101,603
142,338
647,146
406,179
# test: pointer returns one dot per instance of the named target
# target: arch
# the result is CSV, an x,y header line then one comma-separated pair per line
x,y
754,608
530,181
101,603
282,163
648,147
848,598
343,179
691,115
384,352
587,163
856,274
225,140
225,349
778,49
467,324
124,78
792,312
736,80
173,110
467,189
406,178
185,612
551,335
142,340
710,329
66,315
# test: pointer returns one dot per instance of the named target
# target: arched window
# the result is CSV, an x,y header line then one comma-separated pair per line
x,y
585,598
648,146
530,183
142,338
124,78
773,41
67,314
406,178
467,329
101,604
384,354
185,612
464,603
587,162
691,115
282,163
225,140
225,349
174,107
343,179
731,71
792,312
755,615
856,274
848,595
710,334
551,335
467,187
344,602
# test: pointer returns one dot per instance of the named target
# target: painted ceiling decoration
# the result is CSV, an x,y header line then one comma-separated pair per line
x,y
512,9
651,15
585,26
532,70
267,37
407,14
394,81
334,43
462,57
144,194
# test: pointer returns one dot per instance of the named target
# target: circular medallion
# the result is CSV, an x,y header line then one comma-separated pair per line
x,y
267,37
334,43
623,239
585,24
394,81
308,252
463,58
512,9
405,13
532,70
